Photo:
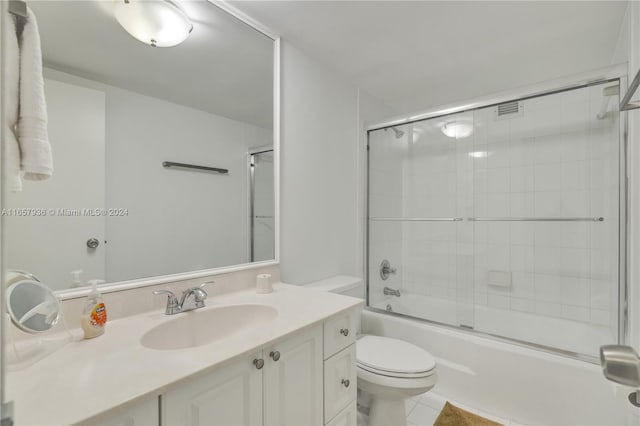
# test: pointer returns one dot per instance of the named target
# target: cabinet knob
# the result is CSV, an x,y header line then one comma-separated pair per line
x,y
344,332
274,355
345,383
259,363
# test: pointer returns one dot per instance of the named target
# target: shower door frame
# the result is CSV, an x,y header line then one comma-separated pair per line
x,y
252,192
599,76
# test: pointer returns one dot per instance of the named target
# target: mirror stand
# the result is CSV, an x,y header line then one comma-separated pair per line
x,y
21,353
34,311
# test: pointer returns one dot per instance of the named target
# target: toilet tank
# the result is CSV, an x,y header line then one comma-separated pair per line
x,y
341,284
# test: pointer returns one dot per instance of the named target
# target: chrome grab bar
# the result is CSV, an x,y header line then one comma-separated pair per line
x,y
536,219
487,219
418,219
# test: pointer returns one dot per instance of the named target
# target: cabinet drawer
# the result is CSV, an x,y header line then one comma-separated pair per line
x,y
347,417
340,332
340,382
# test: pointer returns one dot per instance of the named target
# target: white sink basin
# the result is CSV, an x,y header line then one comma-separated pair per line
x,y
207,325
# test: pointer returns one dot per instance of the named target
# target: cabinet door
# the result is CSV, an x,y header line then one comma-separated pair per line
x,y
340,382
139,414
293,380
229,396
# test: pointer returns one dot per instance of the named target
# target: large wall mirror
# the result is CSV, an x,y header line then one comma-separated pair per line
x,y
126,123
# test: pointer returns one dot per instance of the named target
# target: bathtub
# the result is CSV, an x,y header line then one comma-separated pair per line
x,y
524,385
567,335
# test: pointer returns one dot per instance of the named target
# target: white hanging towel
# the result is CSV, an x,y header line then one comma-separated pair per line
x,y
12,100
36,162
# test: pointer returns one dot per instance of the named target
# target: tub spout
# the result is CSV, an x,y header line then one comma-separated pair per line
x,y
391,291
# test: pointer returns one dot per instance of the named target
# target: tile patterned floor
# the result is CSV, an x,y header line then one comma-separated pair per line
x,y
424,409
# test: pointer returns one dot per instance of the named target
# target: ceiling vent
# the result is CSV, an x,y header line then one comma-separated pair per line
x,y
509,110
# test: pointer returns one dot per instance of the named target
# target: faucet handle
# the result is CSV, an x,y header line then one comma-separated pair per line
x,y
172,301
201,287
169,293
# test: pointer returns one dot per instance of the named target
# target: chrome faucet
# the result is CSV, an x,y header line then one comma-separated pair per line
x,y
391,291
192,298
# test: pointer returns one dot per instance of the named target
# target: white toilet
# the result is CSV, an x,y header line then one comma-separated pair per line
x,y
389,370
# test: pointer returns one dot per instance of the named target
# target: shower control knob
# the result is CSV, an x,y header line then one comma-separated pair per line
x,y
93,243
386,270
344,332
259,363
274,355
345,383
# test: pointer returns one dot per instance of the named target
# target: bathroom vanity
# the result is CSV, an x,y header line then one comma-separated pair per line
x,y
285,358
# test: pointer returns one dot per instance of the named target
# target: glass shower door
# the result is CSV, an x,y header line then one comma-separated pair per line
x,y
420,248
547,203
504,219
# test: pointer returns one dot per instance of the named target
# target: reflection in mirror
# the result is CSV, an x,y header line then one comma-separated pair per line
x,y
118,108
32,306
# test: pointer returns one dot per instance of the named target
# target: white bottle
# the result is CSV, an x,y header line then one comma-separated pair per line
x,y
94,314
75,278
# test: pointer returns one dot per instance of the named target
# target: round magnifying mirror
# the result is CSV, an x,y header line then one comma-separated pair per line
x,y
32,306
14,275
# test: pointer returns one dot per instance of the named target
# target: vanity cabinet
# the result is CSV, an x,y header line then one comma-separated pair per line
x,y
293,380
230,395
307,378
340,374
143,413
283,383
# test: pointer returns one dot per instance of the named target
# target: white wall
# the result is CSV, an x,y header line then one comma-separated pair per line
x,y
77,134
323,164
177,220
318,174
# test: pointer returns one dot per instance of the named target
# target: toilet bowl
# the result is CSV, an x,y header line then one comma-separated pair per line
x,y
390,371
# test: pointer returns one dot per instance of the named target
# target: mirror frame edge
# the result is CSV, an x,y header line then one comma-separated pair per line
x,y
164,279
5,412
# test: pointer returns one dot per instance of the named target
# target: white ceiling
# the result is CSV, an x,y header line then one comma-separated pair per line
x,y
418,54
224,67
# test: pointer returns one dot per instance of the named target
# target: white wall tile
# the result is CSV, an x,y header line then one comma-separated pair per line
x,y
498,301
547,288
575,291
548,309
522,305
576,313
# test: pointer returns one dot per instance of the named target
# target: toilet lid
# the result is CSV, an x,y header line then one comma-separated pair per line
x,y
393,356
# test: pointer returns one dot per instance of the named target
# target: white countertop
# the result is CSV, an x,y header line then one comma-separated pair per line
x,y
91,377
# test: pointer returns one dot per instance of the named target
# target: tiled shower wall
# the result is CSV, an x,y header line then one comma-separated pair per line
x,y
555,158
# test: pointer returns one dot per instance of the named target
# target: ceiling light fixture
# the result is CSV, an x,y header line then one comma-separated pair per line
x,y
457,129
158,23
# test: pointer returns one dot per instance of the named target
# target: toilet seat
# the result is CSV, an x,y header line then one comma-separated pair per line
x,y
393,358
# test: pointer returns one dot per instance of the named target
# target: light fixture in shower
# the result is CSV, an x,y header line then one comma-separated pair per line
x,y
158,23
457,129
479,154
